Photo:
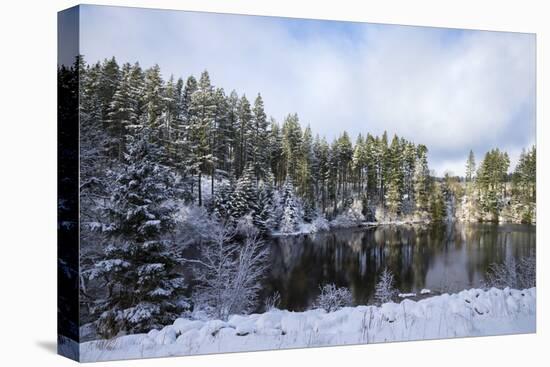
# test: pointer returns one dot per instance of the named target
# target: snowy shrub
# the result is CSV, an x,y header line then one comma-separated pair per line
x,y
245,225
333,298
517,275
319,224
194,225
355,211
342,221
380,213
272,301
352,217
229,273
385,291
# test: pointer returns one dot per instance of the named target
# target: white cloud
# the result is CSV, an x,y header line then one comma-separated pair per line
x,y
449,90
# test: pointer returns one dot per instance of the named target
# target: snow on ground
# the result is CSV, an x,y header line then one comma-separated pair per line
x,y
471,312
406,295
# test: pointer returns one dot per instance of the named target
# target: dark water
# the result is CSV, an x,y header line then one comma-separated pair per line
x,y
445,259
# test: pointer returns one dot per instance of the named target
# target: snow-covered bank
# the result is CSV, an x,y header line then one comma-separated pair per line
x,y
473,312
326,226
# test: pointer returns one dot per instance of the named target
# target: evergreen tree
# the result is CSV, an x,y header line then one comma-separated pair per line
x,y
244,198
224,134
107,85
123,112
233,128
438,210
345,155
292,144
372,163
470,167
360,163
292,213
278,164
304,173
321,171
138,266
244,135
383,166
408,166
422,179
395,177
491,182
190,88
183,153
153,101
264,217
201,119
260,140
524,184
221,205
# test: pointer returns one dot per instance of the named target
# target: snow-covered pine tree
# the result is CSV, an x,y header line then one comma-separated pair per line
x,y
438,209
292,211
201,122
168,129
409,161
244,136
305,185
264,218
182,160
260,140
93,136
123,113
421,180
491,182
320,172
221,205
292,144
232,120
137,267
470,167
107,84
153,102
278,165
224,135
395,178
245,196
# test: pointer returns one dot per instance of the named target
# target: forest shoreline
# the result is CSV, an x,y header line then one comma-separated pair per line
x,y
372,225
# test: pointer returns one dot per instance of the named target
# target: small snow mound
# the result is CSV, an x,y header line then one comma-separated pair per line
x,y
167,335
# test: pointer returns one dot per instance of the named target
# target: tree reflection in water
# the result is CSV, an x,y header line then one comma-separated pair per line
x,y
447,258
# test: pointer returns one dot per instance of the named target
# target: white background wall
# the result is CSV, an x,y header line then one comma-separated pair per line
x,y
28,181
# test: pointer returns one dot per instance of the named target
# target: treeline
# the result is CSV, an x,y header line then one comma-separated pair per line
x,y
209,135
493,194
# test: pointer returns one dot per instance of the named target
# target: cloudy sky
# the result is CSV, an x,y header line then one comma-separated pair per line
x,y
452,90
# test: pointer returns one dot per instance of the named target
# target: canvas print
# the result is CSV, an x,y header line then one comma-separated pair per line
x,y
233,183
